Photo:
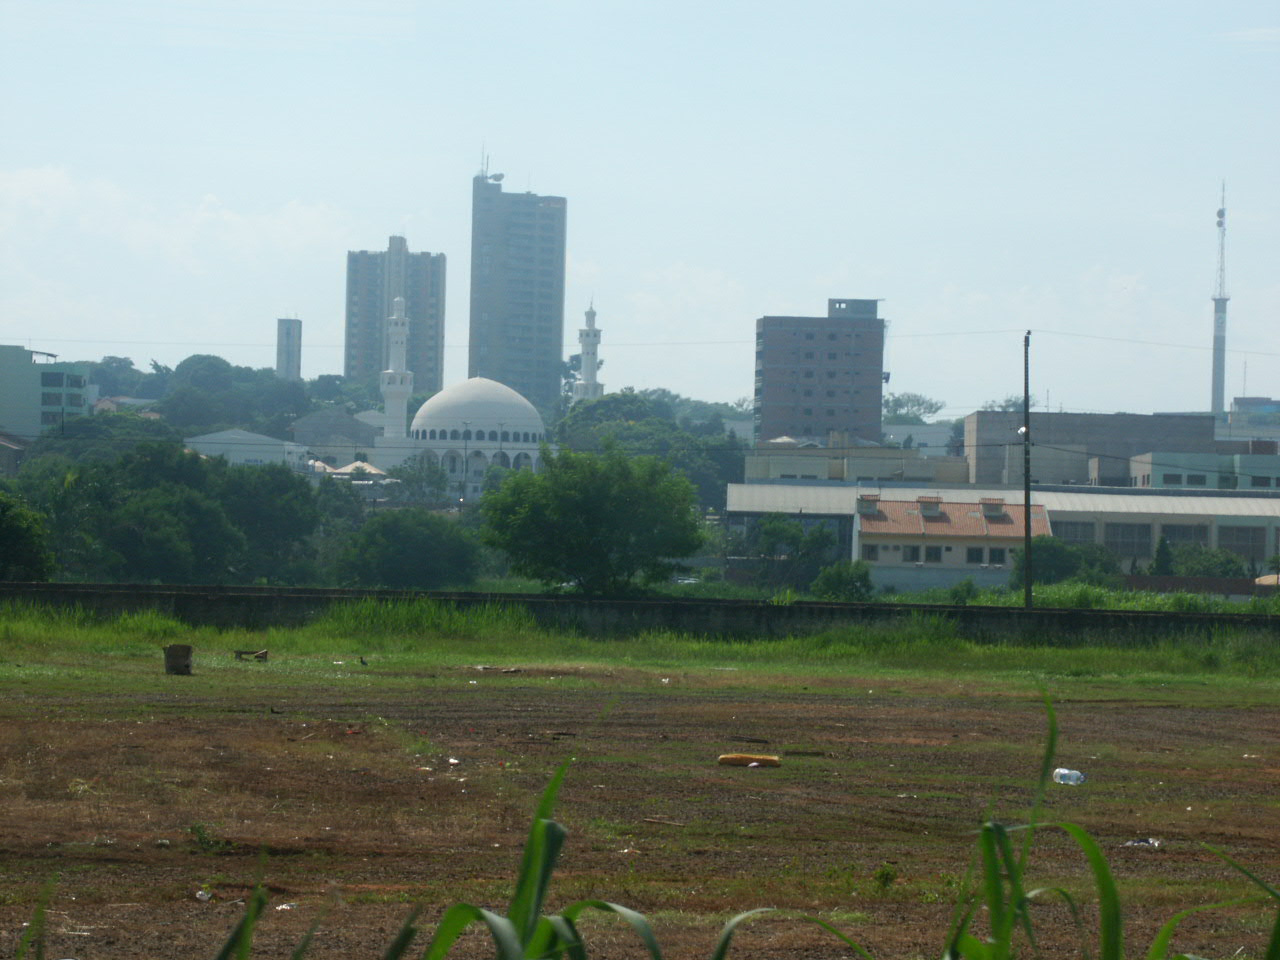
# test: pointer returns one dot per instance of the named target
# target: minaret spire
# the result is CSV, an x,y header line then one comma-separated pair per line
x,y
589,345
397,382
1220,298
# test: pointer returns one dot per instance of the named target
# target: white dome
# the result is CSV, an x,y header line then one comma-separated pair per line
x,y
477,404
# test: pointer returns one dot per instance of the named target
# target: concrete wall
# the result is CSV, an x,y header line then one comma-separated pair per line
x,y
262,607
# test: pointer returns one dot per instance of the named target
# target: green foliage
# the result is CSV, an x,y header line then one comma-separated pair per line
x,y
411,548
1162,564
157,513
848,581
786,552
104,437
24,550
206,840
962,593
1197,560
206,393
1054,561
423,482
603,523
909,408
644,424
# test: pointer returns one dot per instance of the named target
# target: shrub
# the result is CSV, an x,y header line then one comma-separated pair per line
x,y
848,581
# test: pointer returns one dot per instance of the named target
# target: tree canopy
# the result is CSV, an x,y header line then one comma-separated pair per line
x,y
411,548
604,524
1054,560
909,408
25,554
643,424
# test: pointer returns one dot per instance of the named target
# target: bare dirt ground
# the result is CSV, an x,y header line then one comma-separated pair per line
x,y
353,808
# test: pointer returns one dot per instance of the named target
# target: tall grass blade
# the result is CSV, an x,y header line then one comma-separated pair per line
x,y
1273,945
460,916
1042,782
1160,945
33,936
566,939
538,861
400,945
304,944
993,886
639,923
241,939
727,931
856,947
1110,923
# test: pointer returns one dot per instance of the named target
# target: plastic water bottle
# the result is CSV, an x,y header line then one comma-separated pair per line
x,y
1072,777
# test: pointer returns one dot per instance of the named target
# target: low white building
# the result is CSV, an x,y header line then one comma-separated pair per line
x,y
243,448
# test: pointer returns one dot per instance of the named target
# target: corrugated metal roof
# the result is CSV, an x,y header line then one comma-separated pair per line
x,y
841,500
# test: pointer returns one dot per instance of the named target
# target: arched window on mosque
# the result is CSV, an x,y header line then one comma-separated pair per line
x,y
455,435
493,434
506,436
466,434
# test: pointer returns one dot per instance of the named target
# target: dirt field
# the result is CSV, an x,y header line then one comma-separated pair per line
x,y
366,804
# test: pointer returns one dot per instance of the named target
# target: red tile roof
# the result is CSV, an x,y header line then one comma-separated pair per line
x,y
903,518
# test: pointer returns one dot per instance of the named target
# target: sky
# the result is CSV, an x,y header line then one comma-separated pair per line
x,y
176,174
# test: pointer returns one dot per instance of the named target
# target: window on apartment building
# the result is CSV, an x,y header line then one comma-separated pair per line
x,y
1075,531
50,399
831,336
75,399
50,417
1171,479
52,379
910,554
1177,533
831,356
1197,480
1127,539
831,413
973,555
932,554
75,382
831,374
1247,542
871,552
808,411
996,555
1259,481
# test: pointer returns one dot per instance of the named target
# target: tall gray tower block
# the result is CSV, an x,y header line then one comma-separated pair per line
x,y
374,280
517,290
289,348
1217,400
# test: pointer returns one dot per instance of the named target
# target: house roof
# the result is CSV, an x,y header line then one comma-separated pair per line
x,y
968,520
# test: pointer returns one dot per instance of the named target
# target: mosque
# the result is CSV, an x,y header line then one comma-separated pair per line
x,y
469,426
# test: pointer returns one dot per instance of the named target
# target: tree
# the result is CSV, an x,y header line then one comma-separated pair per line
x,y
1162,564
1010,404
909,408
1054,560
1197,560
788,554
422,480
602,523
24,554
106,436
848,581
409,549
275,509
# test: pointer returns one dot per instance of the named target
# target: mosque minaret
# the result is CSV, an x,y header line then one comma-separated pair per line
x,y
589,345
397,382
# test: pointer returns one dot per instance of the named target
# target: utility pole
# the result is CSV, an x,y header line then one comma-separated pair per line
x,y
1217,402
1026,470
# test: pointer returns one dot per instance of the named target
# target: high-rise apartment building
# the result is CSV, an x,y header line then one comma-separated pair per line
x,y
289,348
374,280
517,290
815,375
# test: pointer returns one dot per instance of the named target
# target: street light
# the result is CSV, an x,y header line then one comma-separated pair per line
x,y
466,436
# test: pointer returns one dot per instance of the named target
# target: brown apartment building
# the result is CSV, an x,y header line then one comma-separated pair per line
x,y
819,374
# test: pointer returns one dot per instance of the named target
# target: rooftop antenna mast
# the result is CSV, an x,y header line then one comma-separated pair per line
x,y
1220,298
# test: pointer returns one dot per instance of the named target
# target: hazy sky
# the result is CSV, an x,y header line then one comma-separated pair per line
x,y
176,174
